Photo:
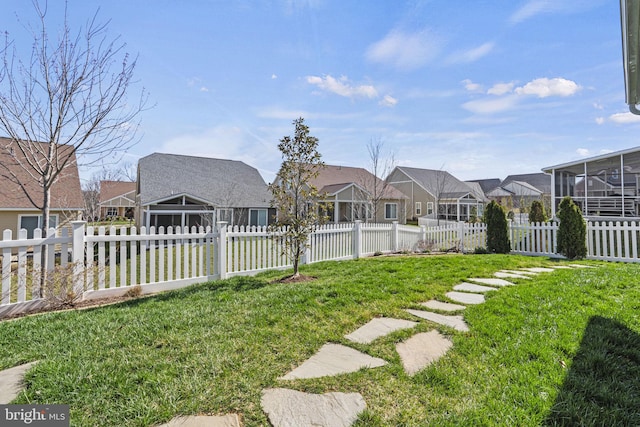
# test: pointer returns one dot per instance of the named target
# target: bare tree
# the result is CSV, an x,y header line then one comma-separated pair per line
x,y
380,165
91,190
65,101
443,183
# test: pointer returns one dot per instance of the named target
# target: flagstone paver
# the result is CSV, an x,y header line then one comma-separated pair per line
x,y
455,322
539,269
580,266
491,281
229,420
561,267
472,287
11,382
443,306
291,408
465,297
377,328
421,350
333,359
505,275
523,272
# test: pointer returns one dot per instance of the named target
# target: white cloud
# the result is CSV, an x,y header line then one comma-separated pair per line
x,y
537,7
545,87
491,105
342,87
273,76
405,51
204,89
583,152
624,118
388,101
471,86
501,89
470,55
600,120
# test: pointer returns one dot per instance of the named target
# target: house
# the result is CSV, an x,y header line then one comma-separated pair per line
x,y
352,193
602,186
515,194
176,190
436,194
117,199
486,184
18,185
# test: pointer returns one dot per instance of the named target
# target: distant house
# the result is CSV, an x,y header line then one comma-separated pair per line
x,y
486,184
436,194
117,199
351,193
17,185
519,191
176,190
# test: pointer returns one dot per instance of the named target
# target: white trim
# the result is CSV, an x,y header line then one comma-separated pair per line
x,y
385,211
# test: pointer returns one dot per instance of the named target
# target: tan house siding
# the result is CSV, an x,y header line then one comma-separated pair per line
x,y
414,192
10,220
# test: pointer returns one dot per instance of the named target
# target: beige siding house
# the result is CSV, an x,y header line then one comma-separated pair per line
x,y
349,194
20,192
117,199
436,194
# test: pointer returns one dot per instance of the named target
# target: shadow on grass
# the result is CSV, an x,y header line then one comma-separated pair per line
x,y
602,387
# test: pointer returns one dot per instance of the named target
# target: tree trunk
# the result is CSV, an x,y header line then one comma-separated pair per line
x,y
44,260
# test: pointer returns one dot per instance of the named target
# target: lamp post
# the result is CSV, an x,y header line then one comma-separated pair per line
x,y
630,22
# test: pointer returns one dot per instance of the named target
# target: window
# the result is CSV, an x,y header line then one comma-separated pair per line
x,y
429,208
31,222
112,212
418,208
390,211
258,217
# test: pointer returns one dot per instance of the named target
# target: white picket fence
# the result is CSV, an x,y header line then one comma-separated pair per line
x,y
102,262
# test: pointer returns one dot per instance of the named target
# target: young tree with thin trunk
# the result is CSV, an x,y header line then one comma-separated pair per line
x,y
294,197
65,100
380,165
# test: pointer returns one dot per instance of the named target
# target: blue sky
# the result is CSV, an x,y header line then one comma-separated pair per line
x,y
482,88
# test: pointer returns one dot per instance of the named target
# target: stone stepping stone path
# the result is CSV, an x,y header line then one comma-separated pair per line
x,y
465,297
377,328
333,359
521,272
442,306
471,287
229,420
291,408
421,350
455,322
539,269
11,382
492,281
509,275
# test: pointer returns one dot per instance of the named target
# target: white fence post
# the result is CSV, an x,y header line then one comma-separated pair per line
x,y
357,239
222,249
394,236
461,236
77,256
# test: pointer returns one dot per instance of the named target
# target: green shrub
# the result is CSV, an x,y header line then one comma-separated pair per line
x,y
572,232
497,229
537,213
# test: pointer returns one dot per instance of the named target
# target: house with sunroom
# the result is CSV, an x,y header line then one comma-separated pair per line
x,y
21,193
117,199
186,191
437,195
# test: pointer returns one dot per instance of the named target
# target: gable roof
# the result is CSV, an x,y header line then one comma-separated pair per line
x,y
332,179
66,192
486,184
520,188
220,182
111,189
438,182
541,181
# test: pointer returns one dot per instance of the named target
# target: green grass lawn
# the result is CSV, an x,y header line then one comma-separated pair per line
x,y
560,349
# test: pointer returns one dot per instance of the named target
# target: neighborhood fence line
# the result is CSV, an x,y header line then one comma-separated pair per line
x,y
110,261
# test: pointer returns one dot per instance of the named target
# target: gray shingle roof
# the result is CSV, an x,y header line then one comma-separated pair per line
x,y
437,182
220,182
541,181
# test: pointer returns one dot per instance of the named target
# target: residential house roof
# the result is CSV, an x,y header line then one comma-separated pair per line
x,y
520,188
486,184
439,182
332,179
220,182
66,192
109,190
541,181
